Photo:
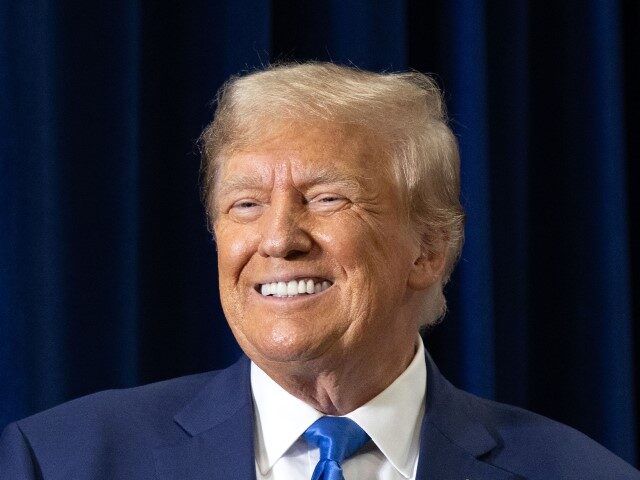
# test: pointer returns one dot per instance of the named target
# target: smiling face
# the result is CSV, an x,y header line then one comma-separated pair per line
x,y
316,259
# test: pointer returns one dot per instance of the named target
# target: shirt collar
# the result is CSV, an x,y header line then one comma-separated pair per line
x,y
280,418
392,418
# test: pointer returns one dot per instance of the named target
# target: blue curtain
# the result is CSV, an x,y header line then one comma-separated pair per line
x,y
107,271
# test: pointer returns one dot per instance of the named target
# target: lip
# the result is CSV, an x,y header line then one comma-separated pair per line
x,y
287,278
292,300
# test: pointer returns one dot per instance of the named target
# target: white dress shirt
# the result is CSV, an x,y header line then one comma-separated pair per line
x,y
392,419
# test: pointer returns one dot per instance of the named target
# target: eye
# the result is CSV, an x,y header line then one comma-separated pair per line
x,y
327,202
329,199
246,209
243,204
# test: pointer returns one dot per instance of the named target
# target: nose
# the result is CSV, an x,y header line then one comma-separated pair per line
x,y
283,235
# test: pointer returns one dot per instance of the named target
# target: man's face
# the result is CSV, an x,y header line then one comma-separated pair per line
x,y
314,208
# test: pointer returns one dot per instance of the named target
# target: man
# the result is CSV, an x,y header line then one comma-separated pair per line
x,y
333,197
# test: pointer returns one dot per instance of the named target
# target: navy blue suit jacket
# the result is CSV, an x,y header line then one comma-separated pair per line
x,y
201,427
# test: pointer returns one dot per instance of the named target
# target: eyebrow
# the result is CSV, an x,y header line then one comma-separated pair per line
x,y
240,182
326,176
310,179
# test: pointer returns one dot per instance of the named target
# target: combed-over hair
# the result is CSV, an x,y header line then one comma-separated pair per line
x,y
405,110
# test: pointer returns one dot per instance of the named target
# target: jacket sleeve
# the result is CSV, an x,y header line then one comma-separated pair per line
x,y
16,457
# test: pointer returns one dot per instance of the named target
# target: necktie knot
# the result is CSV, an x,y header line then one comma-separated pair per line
x,y
338,438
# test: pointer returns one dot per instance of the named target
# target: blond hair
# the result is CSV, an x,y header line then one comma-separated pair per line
x,y
405,110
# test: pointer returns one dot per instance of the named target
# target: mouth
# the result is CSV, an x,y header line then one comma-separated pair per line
x,y
294,287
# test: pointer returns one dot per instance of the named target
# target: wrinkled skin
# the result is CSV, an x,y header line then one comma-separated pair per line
x,y
321,202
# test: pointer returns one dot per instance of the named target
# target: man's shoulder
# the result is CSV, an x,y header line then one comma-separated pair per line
x,y
113,433
153,401
119,422
538,447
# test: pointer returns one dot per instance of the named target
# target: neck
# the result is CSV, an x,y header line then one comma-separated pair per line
x,y
337,386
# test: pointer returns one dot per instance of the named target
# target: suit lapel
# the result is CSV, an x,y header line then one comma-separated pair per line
x,y
452,438
218,442
219,427
442,459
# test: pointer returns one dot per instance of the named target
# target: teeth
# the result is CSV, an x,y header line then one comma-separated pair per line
x,y
293,288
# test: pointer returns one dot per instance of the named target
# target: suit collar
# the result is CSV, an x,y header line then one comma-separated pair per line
x,y
219,423
220,399
219,426
453,439
449,410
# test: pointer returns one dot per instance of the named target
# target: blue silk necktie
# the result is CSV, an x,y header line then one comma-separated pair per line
x,y
337,438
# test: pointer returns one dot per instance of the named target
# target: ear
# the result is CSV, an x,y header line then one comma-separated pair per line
x,y
428,267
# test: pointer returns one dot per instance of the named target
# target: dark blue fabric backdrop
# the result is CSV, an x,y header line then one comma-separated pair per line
x,y
107,272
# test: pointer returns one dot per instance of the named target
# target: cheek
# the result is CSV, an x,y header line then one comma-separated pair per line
x,y
363,263
235,248
375,257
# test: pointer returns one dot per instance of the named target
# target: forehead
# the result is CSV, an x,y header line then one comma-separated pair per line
x,y
329,150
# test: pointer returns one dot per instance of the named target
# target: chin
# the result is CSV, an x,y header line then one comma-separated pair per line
x,y
285,345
